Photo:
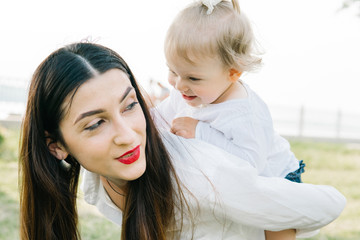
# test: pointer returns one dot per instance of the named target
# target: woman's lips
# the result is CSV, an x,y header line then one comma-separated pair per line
x,y
189,98
130,156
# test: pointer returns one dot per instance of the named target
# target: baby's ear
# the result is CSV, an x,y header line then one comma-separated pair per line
x,y
234,75
55,148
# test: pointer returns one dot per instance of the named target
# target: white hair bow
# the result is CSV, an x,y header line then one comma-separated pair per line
x,y
210,5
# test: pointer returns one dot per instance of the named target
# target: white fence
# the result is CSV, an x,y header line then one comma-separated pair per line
x,y
12,98
307,122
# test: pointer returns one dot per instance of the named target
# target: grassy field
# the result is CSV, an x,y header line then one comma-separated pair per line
x,y
326,163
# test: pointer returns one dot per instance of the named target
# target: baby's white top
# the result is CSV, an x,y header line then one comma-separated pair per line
x,y
242,127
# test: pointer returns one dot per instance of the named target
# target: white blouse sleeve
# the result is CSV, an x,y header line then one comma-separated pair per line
x,y
232,188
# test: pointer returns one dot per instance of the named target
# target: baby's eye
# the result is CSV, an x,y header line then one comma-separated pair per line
x,y
172,72
130,106
194,79
94,126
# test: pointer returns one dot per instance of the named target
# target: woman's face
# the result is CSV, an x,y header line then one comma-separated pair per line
x,y
105,128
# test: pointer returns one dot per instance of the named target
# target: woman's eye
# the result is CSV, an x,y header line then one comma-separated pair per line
x,y
94,126
130,106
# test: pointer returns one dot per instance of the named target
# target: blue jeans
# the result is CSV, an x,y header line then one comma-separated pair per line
x,y
296,175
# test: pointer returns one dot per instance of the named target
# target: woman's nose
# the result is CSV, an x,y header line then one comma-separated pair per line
x,y
123,132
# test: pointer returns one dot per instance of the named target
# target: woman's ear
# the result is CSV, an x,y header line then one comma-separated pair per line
x,y
55,148
234,75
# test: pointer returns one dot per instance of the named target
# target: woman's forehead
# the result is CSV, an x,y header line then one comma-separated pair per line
x,y
96,92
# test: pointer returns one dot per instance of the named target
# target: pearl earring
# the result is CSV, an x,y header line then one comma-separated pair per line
x,y
64,165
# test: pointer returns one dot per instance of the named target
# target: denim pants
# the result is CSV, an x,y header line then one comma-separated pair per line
x,y
296,175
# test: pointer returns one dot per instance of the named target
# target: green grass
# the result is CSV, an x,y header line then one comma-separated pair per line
x,y
9,198
337,165
9,206
326,163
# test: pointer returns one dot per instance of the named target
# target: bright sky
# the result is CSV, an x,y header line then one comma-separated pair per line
x,y
312,50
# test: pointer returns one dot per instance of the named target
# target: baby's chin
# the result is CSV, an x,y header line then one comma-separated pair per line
x,y
195,104
196,101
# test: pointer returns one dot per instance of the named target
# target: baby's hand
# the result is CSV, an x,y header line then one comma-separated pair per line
x,y
184,127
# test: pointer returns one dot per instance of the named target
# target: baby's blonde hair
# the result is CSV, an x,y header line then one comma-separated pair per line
x,y
225,33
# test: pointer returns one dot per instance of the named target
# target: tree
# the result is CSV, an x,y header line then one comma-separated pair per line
x,y
351,3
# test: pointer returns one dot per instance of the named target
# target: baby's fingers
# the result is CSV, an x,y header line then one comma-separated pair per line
x,y
182,133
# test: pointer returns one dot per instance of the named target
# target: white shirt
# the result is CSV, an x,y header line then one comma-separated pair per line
x,y
241,126
233,201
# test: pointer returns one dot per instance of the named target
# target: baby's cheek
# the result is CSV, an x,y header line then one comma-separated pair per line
x,y
171,80
206,97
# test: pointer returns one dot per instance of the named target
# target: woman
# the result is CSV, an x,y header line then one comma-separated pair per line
x,y
85,109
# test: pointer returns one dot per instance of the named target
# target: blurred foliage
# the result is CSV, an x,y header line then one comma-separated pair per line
x,y
9,143
1,139
351,3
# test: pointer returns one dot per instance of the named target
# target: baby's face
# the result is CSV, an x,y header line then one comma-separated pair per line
x,y
203,82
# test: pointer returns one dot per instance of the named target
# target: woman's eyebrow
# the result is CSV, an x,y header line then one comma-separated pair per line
x,y
87,114
127,91
97,111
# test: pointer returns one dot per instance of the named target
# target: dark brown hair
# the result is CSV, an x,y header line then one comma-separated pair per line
x,y
48,193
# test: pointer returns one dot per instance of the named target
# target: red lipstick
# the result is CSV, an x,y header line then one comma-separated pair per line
x,y
189,98
130,156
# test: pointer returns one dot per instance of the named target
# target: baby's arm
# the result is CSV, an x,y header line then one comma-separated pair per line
x,y
289,234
